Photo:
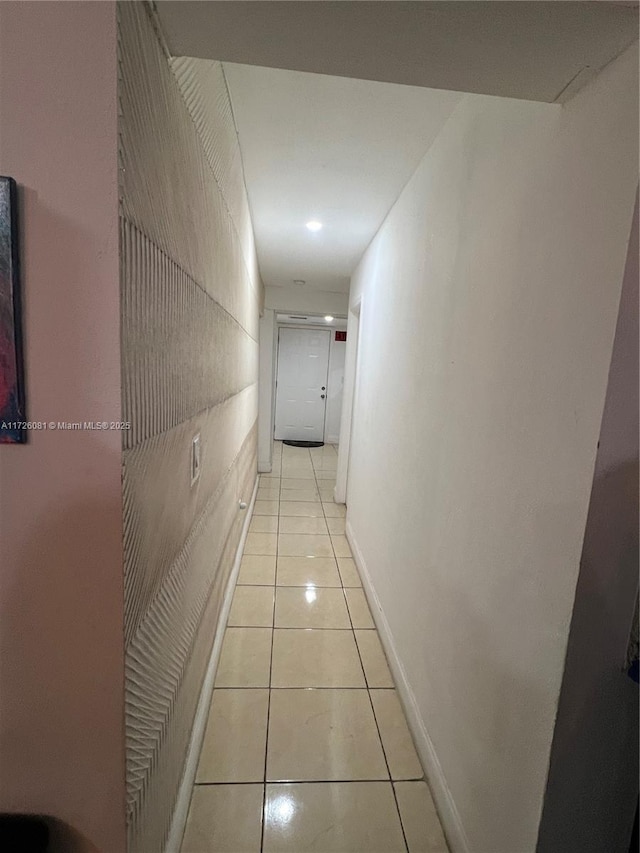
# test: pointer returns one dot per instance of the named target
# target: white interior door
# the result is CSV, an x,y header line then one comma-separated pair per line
x,y
301,392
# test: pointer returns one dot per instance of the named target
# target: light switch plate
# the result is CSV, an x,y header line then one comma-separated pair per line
x,y
195,458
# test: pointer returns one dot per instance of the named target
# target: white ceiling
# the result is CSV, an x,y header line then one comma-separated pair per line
x,y
340,148
332,149
530,50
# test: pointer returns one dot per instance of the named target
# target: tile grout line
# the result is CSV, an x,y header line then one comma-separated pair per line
x,y
364,674
353,630
375,719
302,781
344,594
313,687
297,628
266,740
384,752
367,687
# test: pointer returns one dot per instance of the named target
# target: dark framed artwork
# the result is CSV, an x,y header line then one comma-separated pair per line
x,y
12,407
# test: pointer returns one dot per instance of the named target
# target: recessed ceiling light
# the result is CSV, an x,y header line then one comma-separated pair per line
x,y
328,318
314,225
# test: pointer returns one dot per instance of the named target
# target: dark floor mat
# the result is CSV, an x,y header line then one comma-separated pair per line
x,y
304,443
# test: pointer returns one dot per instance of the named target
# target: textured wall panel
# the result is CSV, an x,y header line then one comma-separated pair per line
x,y
166,660
190,300
154,528
182,353
204,90
175,198
205,93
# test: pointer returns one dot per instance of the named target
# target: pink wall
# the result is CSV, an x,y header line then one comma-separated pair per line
x,y
61,589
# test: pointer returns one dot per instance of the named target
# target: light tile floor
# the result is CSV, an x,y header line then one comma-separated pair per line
x,y
306,746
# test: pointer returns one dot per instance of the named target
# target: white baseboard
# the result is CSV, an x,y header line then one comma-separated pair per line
x,y
179,820
445,804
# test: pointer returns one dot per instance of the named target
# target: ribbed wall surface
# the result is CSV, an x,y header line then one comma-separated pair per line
x,y
190,301
205,92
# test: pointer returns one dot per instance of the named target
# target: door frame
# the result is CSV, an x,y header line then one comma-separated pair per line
x,y
310,327
268,355
267,465
349,395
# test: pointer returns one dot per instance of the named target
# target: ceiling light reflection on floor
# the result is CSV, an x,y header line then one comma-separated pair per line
x,y
310,593
281,810
314,225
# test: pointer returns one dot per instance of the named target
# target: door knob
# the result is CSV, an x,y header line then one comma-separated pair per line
x,y
322,396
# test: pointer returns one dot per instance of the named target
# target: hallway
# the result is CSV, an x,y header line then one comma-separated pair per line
x,y
450,189
303,694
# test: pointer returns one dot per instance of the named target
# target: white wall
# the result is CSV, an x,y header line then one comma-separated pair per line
x,y
335,386
489,302
300,299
